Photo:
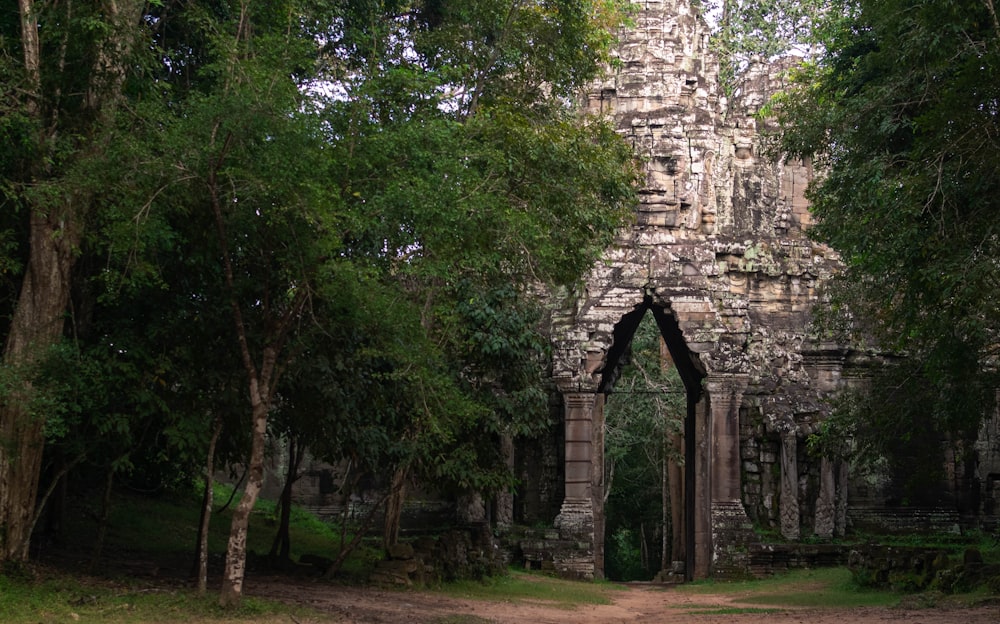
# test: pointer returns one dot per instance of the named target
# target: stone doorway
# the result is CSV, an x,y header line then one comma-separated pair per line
x,y
667,441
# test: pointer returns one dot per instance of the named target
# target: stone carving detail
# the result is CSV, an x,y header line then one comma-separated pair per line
x,y
789,486
825,506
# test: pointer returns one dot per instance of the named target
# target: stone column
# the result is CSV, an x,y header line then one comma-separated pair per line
x,y
725,394
700,495
731,528
825,501
579,411
597,482
576,517
789,510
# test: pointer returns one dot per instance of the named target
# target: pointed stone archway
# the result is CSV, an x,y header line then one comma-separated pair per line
x,y
712,513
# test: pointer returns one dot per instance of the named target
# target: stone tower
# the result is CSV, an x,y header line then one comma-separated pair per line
x,y
718,255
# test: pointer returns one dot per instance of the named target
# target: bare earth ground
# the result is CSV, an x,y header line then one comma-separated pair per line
x,y
637,604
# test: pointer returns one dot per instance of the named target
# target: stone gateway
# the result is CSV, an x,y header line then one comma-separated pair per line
x,y
719,256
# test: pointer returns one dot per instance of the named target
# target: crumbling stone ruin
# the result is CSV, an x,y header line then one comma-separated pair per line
x,y
719,255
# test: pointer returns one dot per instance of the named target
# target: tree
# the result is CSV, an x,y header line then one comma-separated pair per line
x,y
460,147
290,185
753,31
67,88
901,113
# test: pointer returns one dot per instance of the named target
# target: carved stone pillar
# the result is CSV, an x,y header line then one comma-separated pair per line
x,y
701,496
597,482
579,421
825,501
840,519
576,517
789,510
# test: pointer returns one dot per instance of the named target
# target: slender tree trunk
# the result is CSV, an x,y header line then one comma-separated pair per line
x,y
359,534
281,545
201,549
102,526
394,508
261,383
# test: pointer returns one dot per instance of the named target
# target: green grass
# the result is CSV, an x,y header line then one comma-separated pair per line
x,y
729,611
173,520
520,586
32,599
821,588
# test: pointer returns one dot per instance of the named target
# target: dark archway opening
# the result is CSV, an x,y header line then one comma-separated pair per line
x,y
619,534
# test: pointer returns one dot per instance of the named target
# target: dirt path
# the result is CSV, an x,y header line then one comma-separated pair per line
x,y
644,604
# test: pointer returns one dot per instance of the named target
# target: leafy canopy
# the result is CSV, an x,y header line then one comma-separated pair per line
x,y
902,112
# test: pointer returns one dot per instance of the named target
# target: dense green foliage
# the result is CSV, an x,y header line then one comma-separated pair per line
x,y
755,31
334,213
902,113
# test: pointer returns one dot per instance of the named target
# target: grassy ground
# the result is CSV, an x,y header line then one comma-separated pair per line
x,y
520,586
45,600
146,532
41,596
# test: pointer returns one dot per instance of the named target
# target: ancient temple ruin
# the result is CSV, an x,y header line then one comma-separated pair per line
x,y
719,255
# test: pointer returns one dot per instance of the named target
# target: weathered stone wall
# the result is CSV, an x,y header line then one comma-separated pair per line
x,y
760,451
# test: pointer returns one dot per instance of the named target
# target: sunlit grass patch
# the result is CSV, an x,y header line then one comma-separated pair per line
x,y
732,611
525,587
820,588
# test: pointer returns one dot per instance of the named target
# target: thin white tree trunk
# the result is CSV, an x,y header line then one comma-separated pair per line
x,y
236,551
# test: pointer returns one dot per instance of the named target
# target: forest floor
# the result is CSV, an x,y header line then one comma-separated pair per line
x,y
632,604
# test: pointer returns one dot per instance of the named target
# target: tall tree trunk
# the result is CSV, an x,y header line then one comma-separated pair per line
x,y
236,551
37,324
